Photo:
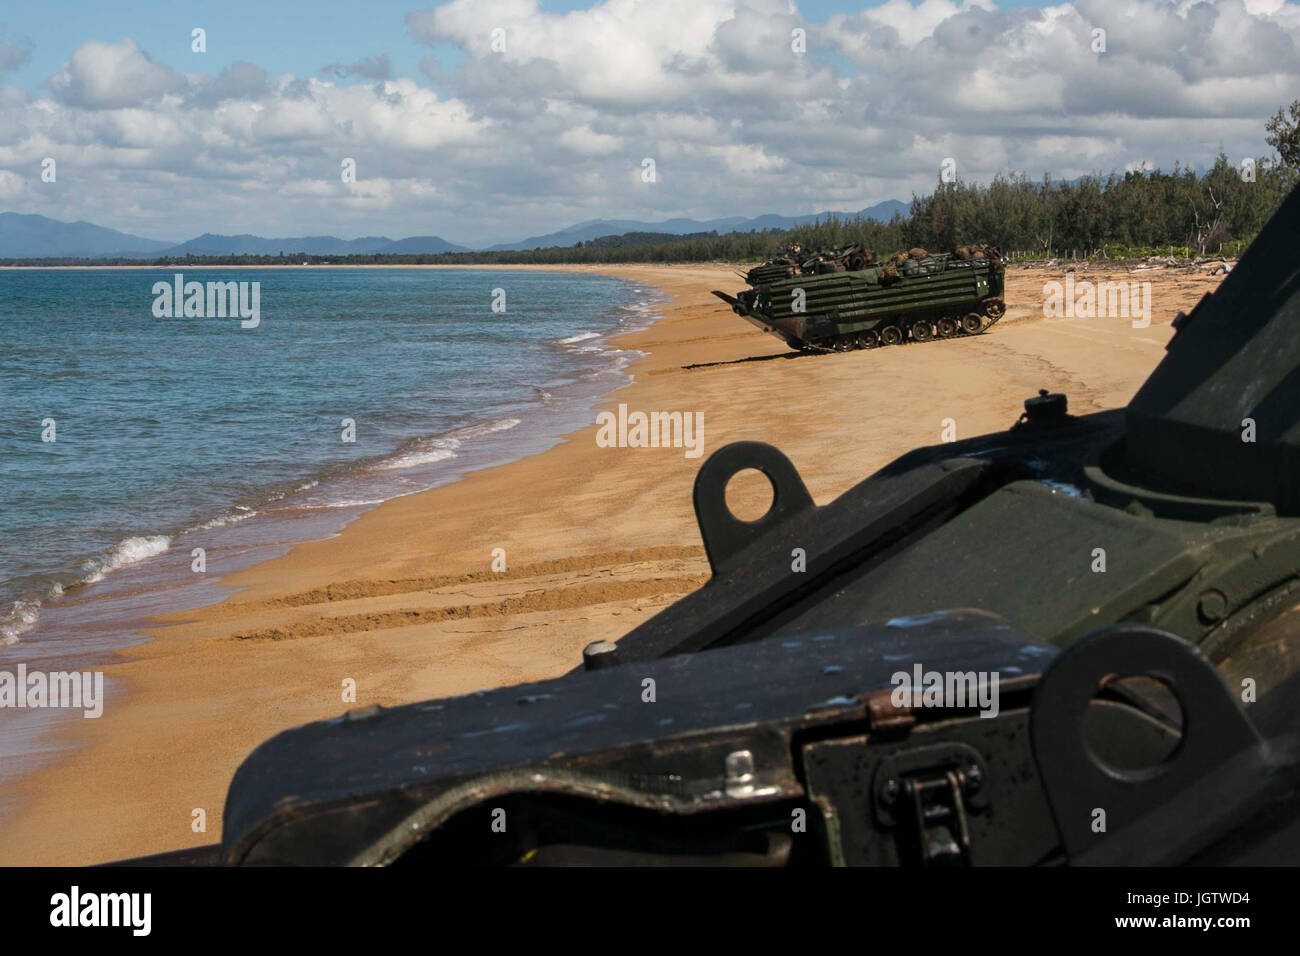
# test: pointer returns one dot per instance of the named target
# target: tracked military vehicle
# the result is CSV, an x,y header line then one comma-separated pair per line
x,y
1125,584
794,262
789,263
909,298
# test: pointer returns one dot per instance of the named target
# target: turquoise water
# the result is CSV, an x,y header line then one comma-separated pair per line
x,y
169,430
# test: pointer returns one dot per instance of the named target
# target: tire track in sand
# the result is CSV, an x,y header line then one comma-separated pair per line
x,y
541,599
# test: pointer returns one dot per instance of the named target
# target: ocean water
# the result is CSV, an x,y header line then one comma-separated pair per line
x,y
175,433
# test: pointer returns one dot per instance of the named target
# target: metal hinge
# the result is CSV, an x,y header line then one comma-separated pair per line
x,y
936,818
925,795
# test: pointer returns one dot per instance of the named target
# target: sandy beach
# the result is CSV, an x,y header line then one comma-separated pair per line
x,y
405,601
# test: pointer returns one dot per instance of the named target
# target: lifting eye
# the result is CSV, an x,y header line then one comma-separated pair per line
x,y
750,495
726,533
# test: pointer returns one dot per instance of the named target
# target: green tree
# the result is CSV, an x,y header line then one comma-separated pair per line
x,y
1284,135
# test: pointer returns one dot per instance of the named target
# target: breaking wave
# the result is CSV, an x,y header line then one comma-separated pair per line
x,y
126,552
580,337
428,451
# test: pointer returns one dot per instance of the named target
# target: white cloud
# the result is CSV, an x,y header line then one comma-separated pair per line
x,y
913,24
585,140
552,129
113,75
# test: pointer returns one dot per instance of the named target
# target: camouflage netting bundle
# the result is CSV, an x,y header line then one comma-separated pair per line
x,y
890,270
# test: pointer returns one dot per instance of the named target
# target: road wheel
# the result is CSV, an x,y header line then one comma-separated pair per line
x,y
972,322
995,308
922,331
891,335
948,327
868,339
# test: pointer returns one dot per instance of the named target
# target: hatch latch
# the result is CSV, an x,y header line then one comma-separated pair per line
x,y
926,795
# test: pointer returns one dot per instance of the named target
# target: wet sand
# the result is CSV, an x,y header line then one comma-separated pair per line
x,y
405,601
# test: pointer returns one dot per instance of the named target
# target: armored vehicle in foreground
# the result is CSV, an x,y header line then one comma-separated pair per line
x,y
909,298
1073,642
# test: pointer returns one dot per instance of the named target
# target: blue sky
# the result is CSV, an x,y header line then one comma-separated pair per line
x,y
477,144
280,35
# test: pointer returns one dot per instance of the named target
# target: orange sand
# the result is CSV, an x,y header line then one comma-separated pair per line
x,y
404,602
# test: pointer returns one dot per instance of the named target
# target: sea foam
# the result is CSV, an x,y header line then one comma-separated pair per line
x,y
126,552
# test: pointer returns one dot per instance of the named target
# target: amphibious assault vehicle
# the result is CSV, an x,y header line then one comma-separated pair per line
x,y
795,262
1124,584
911,297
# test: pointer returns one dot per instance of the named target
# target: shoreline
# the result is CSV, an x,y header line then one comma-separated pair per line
x,y
404,600
103,607
330,494
64,737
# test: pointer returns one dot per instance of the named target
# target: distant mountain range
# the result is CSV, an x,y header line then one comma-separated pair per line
x,y
31,236
209,244
598,228
36,236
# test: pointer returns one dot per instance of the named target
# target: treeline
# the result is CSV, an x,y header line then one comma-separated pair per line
x,y
643,239
1138,210
1114,215
1136,213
